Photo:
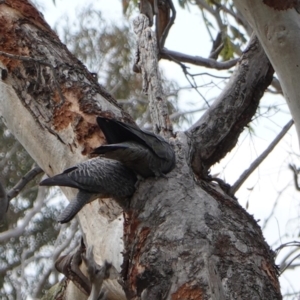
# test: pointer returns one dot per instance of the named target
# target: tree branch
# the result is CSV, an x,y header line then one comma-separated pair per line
x,y
217,131
285,57
16,232
287,265
288,244
23,182
295,173
197,60
166,30
261,158
6,197
147,62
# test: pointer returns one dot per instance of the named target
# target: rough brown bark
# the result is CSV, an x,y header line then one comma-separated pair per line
x,y
186,239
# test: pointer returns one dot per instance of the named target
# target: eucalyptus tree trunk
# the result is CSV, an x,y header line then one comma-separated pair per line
x,y
182,236
277,24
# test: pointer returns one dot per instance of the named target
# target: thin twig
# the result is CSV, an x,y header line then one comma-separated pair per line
x,y
19,230
198,60
214,12
288,265
264,225
294,294
192,84
261,158
295,173
283,263
288,244
211,75
227,10
23,182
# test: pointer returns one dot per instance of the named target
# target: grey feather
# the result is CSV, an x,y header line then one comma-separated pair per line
x,y
146,153
97,177
75,206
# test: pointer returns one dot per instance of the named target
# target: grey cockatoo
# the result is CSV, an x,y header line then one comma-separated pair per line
x,y
144,152
96,177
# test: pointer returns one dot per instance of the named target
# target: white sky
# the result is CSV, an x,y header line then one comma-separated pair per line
x,y
261,189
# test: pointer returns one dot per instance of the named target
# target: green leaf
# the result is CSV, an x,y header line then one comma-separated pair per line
x,y
228,49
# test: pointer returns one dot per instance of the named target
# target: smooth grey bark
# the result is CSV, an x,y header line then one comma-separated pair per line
x,y
277,26
184,237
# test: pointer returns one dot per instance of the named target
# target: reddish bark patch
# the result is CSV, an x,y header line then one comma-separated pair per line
x,y
270,271
63,116
85,133
137,269
30,12
135,272
281,4
131,268
12,13
188,291
130,225
8,40
142,237
88,134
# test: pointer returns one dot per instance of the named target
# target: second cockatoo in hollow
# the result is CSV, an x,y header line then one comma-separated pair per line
x,y
96,177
